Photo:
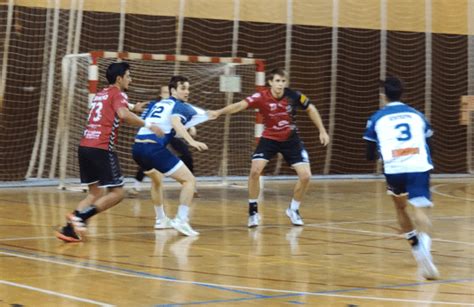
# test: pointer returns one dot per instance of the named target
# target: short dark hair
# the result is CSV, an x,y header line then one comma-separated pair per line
x,y
116,70
175,80
276,71
393,88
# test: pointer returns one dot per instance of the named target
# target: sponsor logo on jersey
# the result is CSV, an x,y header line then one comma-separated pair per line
x,y
303,99
253,97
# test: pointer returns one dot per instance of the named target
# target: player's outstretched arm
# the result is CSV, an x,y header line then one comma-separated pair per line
x,y
134,120
139,107
230,109
318,122
182,131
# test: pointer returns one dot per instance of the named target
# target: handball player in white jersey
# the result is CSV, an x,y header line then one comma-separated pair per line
x,y
174,116
401,135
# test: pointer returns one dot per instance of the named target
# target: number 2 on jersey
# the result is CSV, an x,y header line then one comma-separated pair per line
x,y
156,113
404,130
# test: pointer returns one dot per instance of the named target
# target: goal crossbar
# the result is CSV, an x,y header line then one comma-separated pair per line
x,y
69,82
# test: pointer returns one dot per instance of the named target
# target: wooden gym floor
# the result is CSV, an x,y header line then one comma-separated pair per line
x,y
349,253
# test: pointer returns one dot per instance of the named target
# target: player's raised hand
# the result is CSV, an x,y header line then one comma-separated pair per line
x,y
324,138
140,106
198,145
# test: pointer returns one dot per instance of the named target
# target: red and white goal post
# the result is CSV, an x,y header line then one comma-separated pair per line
x,y
215,82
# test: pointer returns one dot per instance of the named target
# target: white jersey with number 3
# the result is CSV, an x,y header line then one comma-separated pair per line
x,y
400,132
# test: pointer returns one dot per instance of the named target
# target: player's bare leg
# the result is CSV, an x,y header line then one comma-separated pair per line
x,y
156,186
303,171
423,219
188,182
418,238
254,191
403,218
93,194
304,177
94,203
161,221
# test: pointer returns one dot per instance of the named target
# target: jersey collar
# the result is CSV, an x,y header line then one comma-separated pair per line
x,y
394,103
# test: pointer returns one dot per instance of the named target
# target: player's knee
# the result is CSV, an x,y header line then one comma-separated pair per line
x,y
400,205
305,177
119,193
156,183
189,180
255,173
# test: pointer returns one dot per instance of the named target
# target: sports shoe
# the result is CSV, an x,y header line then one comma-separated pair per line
x,y
424,259
425,239
163,223
183,227
295,217
79,226
133,192
254,220
68,235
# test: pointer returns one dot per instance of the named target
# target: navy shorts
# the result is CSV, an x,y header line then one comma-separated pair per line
x,y
99,166
416,185
293,150
154,156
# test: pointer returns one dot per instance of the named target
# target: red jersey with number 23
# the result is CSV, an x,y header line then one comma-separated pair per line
x,y
103,121
278,113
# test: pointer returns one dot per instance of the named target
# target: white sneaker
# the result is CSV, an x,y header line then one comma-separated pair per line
x,y
425,240
424,259
295,217
163,223
183,227
133,192
254,220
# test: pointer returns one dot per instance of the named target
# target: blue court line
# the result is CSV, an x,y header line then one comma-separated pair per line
x,y
320,292
254,296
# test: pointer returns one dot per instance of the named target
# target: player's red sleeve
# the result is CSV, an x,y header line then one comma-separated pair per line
x,y
255,100
119,100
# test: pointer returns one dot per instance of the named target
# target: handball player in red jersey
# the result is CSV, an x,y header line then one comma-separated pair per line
x,y
278,105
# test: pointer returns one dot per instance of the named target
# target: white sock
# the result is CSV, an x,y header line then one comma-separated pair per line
x,y
160,212
411,234
183,212
253,201
136,184
295,205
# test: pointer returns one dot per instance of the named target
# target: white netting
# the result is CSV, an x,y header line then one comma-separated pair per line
x,y
335,52
147,78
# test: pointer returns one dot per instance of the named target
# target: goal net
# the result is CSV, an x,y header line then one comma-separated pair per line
x,y
214,82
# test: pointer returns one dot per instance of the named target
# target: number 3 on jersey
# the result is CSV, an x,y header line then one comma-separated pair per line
x,y
404,130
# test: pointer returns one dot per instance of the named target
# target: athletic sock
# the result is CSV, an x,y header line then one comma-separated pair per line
x,y
295,205
87,213
160,211
412,237
253,206
136,184
183,212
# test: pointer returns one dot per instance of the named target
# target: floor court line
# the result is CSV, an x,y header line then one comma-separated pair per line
x,y
384,234
54,293
322,225
434,190
233,288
